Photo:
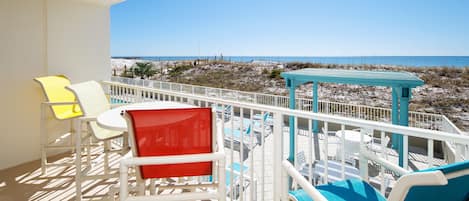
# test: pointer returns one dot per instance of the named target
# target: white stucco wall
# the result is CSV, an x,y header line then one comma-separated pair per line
x,y
22,57
78,40
44,37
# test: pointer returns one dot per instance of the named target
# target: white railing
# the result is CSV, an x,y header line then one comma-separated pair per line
x,y
416,119
264,173
453,152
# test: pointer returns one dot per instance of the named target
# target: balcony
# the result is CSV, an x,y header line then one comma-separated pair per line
x,y
431,140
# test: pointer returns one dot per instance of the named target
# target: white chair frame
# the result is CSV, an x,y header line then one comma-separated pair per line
x,y
218,156
45,145
80,175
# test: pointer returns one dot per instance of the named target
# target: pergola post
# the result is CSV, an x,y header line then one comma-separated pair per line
x,y
400,116
395,117
291,121
315,106
315,122
404,97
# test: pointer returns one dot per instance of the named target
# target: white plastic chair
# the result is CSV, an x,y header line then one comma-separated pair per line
x,y
93,101
376,145
174,143
447,182
64,107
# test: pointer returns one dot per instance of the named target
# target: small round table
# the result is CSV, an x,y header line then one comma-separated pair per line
x,y
353,136
113,120
352,142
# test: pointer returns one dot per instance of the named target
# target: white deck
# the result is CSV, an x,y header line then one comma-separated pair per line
x,y
24,182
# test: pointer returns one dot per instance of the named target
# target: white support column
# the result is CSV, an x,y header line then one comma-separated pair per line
x,y
277,158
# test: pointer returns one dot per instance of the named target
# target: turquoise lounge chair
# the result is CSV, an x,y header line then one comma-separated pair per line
x,y
234,136
448,182
236,191
226,111
256,126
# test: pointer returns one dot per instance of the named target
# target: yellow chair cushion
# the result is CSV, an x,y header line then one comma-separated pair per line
x,y
54,90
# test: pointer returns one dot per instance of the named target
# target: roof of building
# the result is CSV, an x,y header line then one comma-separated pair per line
x,y
373,78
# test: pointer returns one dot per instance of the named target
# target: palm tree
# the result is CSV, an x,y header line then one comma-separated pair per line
x,y
144,69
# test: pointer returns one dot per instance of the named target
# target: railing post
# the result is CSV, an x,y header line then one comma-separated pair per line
x,y
363,163
138,94
359,112
277,158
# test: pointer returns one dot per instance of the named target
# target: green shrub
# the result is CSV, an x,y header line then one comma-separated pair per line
x,y
275,74
178,70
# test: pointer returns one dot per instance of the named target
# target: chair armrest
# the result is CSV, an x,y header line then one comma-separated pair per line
x,y
403,185
59,103
307,187
238,173
88,118
328,133
114,105
176,159
395,168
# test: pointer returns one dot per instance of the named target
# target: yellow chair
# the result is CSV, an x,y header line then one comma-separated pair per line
x,y
63,106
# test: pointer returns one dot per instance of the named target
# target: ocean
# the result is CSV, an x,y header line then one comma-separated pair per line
x,y
411,61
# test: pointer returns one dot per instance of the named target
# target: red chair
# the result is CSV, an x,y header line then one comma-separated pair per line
x,y
175,143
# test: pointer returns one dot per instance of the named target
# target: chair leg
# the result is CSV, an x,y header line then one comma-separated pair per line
x,y
43,140
88,149
78,161
72,135
140,186
152,187
125,143
106,150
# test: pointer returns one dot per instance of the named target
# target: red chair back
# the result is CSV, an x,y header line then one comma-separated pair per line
x,y
172,132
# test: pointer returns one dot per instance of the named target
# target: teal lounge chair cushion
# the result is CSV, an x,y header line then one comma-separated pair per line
x,y
457,189
230,132
348,190
236,133
237,168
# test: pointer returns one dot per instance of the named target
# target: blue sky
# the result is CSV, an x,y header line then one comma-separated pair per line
x,y
290,28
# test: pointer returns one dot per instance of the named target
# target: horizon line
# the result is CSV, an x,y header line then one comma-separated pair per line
x,y
294,56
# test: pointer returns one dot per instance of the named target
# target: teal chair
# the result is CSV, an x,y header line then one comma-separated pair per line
x,y
257,128
234,136
234,191
226,111
448,182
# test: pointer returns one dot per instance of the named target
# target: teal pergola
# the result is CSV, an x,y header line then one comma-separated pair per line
x,y
400,82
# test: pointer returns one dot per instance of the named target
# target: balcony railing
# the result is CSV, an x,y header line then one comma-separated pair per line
x,y
416,119
264,158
